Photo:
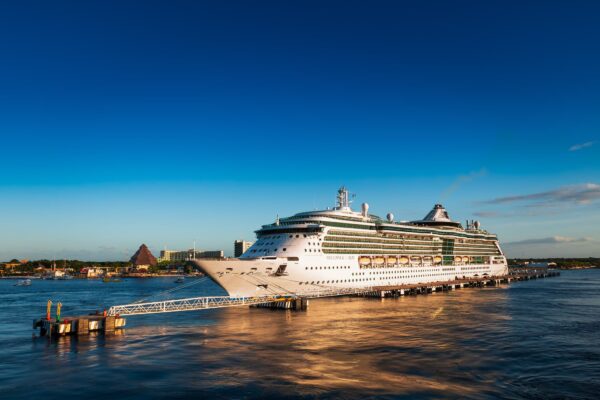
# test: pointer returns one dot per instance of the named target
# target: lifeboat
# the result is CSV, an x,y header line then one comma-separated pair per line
x,y
458,259
363,261
437,259
392,260
403,260
427,259
379,260
415,260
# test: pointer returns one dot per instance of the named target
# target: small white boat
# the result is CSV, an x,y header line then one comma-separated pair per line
x,y
181,279
23,282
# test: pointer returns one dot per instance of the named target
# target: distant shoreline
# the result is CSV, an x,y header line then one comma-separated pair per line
x,y
146,276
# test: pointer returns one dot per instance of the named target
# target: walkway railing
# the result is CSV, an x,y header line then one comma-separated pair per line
x,y
190,304
203,303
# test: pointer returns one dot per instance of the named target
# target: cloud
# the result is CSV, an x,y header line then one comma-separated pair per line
x,y
461,180
576,194
487,214
550,240
580,146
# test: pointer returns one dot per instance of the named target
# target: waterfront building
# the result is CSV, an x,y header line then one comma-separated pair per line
x,y
240,247
545,264
143,259
92,272
14,263
180,256
166,255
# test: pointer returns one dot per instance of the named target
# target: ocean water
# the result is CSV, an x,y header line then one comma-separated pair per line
x,y
531,340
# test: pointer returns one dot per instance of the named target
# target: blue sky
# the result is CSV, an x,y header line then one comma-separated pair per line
x,y
169,122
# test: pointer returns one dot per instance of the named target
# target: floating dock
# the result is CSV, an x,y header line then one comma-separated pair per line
x,y
112,319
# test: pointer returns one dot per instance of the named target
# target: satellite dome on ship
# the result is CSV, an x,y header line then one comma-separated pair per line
x,y
438,216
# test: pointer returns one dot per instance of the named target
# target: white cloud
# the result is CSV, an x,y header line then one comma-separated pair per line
x,y
550,240
578,194
461,180
580,146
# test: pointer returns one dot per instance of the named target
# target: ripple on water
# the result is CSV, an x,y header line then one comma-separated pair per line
x,y
535,339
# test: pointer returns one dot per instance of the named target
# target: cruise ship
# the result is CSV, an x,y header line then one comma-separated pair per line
x,y
339,248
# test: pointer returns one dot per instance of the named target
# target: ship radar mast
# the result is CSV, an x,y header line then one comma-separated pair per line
x,y
343,199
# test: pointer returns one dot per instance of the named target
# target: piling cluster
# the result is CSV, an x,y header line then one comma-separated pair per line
x,y
298,304
80,325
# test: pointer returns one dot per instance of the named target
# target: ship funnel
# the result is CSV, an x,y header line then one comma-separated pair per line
x,y
365,210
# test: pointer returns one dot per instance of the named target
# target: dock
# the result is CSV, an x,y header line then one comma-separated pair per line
x,y
79,325
113,319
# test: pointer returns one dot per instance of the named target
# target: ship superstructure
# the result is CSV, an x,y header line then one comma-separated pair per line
x,y
341,248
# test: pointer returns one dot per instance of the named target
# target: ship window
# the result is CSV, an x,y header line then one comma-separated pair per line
x,y
285,248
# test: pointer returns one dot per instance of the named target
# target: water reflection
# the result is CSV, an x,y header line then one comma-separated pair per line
x,y
532,339
411,345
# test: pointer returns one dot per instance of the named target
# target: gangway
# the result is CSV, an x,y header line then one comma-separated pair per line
x,y
209,302
190,304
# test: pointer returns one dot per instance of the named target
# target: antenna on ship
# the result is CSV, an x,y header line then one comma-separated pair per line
x,y
343,202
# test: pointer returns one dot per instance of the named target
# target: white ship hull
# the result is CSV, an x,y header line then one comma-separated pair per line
x,y
256,277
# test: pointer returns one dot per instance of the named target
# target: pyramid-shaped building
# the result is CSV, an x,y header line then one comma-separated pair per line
x,y
143,258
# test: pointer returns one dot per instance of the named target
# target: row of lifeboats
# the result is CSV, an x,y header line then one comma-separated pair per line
x,y
365,261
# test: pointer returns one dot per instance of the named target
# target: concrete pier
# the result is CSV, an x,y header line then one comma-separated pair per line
x,y
111,321
432,287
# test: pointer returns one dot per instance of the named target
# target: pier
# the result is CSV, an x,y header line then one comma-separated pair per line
x,y
113,319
